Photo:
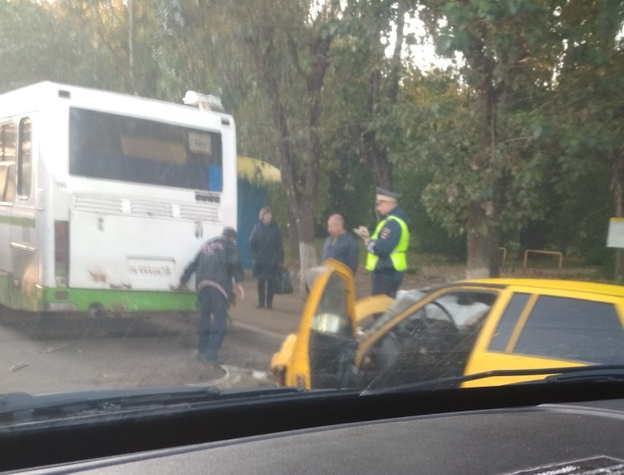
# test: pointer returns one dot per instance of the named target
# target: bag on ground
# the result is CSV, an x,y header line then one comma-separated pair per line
x,y
283,284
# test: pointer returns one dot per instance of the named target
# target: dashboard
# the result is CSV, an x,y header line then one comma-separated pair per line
x,y
575,435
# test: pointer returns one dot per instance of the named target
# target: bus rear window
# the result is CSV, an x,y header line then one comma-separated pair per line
x,y
116,147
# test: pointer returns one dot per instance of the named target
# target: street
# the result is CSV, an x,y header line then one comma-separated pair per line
x,y
72,354
78,353
59,354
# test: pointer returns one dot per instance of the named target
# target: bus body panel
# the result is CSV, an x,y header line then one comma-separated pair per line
x,y
79,242
133,252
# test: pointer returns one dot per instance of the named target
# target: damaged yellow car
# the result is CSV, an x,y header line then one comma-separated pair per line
x,y
466,333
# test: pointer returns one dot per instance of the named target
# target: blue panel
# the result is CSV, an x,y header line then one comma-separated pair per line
x,y
215,178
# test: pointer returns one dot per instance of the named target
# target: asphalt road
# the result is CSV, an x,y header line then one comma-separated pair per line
x,y
44,355
40,355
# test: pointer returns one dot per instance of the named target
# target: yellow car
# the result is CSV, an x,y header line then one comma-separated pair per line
x,y
506,327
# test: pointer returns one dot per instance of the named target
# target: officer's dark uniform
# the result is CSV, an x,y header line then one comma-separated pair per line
x,y
387,247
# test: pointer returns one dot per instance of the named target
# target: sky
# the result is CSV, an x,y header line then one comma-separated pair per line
x,y
423,54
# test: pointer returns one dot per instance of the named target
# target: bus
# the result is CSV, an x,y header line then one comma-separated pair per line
x,y
106,197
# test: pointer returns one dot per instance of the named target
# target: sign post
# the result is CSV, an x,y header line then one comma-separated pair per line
x,y
615,239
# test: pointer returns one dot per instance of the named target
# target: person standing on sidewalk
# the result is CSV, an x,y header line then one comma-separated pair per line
x,y
340,245
216,267
387,247
267,251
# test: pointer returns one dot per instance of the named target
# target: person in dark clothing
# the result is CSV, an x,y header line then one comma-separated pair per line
x,y
387,247
340,245
216,267
267,251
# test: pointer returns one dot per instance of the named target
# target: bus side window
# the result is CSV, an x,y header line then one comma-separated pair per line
x,y
8,135
24,159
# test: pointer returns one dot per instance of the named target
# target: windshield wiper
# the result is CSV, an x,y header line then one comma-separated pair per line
x,y
594,373
600,373
24,407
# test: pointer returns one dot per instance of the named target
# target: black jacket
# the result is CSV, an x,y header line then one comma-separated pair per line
x,y
217,263
266,244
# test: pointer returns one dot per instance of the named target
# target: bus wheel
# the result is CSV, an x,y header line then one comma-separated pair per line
x,y
97,312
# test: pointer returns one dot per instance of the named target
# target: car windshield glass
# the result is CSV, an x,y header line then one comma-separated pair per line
x,y
312,195
428,341
404,300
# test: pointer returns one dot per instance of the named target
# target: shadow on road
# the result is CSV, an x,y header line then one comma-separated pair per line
x,y
52,327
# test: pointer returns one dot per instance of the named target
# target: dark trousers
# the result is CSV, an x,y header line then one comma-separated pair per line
x,y
266,290
212,322
387,283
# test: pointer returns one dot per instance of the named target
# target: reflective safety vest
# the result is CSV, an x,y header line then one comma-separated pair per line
x,y
398,255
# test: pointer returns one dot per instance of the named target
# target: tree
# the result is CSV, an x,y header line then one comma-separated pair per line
x,y
498,41
272,57
290,49
588,99
77,42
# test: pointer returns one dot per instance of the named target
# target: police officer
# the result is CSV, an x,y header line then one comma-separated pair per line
x,y
216,266
387,247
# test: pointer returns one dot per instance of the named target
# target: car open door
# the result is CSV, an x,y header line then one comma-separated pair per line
x,y
325,346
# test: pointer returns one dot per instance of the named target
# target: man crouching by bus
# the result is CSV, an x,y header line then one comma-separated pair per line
x,y
216,265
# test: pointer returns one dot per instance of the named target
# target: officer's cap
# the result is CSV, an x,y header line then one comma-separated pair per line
x,y
386,195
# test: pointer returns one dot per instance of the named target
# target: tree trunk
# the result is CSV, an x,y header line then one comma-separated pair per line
x,y
299,160
492,216
478,257
307,253
478,244
307,250
376,154
483,232
617,185
131,37
293,235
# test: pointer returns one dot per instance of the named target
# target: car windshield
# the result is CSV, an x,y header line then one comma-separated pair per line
x,y
404,299
351,195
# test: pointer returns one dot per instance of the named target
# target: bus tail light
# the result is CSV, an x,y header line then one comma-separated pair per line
x,y
61,251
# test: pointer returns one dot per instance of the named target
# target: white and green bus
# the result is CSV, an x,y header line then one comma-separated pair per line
x,y
105,197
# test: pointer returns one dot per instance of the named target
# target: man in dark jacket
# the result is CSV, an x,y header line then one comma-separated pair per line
x,y
340,245
267,251
387,247
215,266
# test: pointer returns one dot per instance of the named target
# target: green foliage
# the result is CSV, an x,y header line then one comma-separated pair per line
x,y
440,143
428,236
81,43
528,124
546,131
350,193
